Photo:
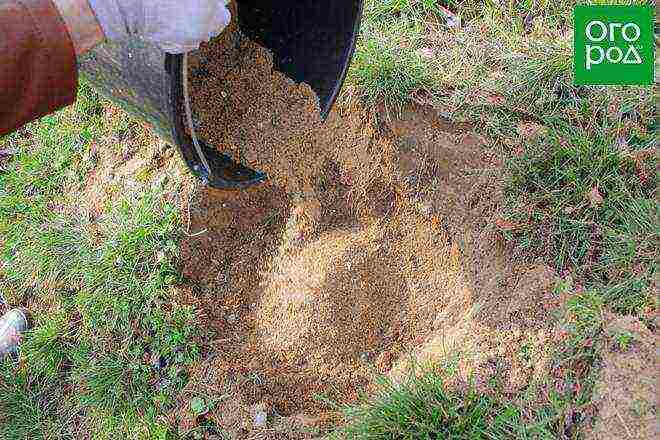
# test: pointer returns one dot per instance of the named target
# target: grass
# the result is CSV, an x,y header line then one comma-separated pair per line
x,y
429,404
586,208
423,408
100,292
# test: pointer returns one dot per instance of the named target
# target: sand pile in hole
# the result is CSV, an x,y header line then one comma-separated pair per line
x,y
426,275
337,300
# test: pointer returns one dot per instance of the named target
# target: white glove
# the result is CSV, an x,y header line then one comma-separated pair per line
x,y
176,26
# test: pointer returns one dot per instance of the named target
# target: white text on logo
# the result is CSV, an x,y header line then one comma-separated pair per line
x,y
597,32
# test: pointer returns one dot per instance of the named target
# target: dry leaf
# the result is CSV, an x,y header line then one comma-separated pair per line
x,y
642,154
595,197
6,154
528,23
436,222
505,225
495,99
642,174
187,424
529,130
622,144
453,20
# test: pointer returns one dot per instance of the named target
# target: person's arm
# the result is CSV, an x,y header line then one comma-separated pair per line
x,y
40,40
38,44
84,29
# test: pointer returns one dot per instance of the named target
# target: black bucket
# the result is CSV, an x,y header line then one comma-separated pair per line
x,y
312,42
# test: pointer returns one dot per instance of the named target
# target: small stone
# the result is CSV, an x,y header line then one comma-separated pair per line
x,y
231,319
426,209
163,384
158,362
259,415
427,53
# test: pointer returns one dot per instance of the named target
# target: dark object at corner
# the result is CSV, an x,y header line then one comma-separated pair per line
x,y
312,42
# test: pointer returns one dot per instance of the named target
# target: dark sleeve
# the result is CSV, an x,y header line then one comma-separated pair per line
x,y
38,73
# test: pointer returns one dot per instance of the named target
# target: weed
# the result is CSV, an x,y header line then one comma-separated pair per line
x,y
624,340
388,65
29,405
584,206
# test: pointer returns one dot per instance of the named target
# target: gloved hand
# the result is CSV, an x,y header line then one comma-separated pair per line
x,y
176,26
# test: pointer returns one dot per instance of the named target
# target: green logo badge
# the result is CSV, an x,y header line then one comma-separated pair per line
x,y
614,45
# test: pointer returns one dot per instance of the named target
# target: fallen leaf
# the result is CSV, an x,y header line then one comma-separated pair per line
x,y
529,130
384,361
187,424
436,222
622,144
422,97
5,154
642,174
505,225
307,421
614,109
642,154
528,23
495,99
595,197
452,20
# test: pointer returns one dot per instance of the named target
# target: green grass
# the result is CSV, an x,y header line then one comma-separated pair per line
x,y
429,405
424,408
610,244
388,65
101,293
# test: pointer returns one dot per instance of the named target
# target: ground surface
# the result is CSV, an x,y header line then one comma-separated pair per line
x,y
488,246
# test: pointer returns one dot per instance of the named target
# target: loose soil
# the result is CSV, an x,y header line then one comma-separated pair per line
x,y
626,393
254,114
405,263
